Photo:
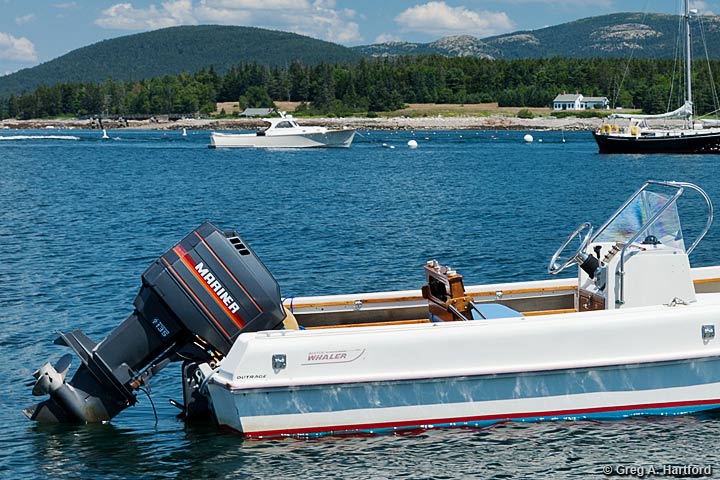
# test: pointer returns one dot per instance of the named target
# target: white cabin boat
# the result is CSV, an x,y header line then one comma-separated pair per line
x,y
634,333
284,132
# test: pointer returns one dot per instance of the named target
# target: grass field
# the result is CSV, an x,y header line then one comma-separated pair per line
x,y
443,109
462,110
414,110
446,110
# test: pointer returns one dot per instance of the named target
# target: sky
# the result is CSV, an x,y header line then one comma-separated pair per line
x,y
36,31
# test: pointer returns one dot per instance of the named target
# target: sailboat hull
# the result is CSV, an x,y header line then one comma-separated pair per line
x,y
694,142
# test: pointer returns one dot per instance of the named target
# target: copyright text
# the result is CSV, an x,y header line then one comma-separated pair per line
x,y
671,470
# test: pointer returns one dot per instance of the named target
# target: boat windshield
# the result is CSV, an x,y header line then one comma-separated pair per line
x,y
635,216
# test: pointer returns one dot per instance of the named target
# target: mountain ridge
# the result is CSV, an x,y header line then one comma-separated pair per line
x,y
613,35
190,49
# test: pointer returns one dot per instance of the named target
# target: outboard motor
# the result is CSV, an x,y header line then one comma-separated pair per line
x,y
194,302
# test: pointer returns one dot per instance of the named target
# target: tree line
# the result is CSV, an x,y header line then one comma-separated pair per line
x,y
376,85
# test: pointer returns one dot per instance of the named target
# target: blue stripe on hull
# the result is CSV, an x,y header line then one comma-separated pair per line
x,y
485,388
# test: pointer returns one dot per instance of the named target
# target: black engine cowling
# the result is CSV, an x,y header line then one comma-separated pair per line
x,y
194,302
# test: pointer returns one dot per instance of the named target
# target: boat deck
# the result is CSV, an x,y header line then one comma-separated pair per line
x,y
409,307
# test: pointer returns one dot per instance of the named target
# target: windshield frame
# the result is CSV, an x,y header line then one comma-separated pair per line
x,y
679,188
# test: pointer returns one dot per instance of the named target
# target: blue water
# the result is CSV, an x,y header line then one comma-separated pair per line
x,y
81,219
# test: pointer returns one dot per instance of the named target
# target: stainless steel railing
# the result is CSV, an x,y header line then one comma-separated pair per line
x,y
679,186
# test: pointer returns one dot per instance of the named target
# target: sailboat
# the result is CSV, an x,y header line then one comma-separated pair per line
x,y
639,137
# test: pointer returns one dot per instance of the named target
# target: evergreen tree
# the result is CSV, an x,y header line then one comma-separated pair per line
x,y
377,85
256,97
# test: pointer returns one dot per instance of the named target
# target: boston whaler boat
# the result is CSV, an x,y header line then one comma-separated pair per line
x,y
632,334
284,132
639,137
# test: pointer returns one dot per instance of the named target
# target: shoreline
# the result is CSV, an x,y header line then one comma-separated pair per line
x,y
493,122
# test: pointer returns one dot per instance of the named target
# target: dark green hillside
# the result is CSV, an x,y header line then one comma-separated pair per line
x,y
378,85
176,50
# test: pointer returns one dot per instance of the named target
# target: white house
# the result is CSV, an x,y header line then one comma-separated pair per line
x,y
575,101
596,102
568,102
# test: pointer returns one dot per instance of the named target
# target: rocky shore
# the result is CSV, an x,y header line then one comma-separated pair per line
x,y
495,122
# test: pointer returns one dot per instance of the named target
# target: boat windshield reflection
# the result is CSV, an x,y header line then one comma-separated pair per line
x,y
666,229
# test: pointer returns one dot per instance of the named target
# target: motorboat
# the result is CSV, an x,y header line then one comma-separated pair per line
x,y
284,132
633,333
639,136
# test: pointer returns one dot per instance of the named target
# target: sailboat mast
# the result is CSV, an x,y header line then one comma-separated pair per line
x,y
688,57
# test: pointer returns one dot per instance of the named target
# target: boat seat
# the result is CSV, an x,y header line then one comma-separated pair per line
x,y
448,301
290,322
490,311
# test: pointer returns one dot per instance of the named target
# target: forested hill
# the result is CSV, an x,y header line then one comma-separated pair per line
x,y
650,36
175,50
190,49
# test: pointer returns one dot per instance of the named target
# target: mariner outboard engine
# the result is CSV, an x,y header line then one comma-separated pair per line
x,y
194,302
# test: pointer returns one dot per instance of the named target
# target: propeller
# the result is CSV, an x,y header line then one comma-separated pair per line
x,y
49,378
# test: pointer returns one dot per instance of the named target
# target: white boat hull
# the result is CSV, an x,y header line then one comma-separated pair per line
x,y
328,138
604,364
457,402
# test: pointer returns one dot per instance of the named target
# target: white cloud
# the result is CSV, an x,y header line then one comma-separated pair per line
x,y
226,16
18,49
318,18
25,19
124,16
329,26
438,18
702,7
596,4
257,4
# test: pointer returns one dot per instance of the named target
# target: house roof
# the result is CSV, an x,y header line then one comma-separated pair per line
x,y
568,97
595,99
257,112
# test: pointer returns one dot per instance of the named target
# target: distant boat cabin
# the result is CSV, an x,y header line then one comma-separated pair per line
x,y
578,102
257,112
